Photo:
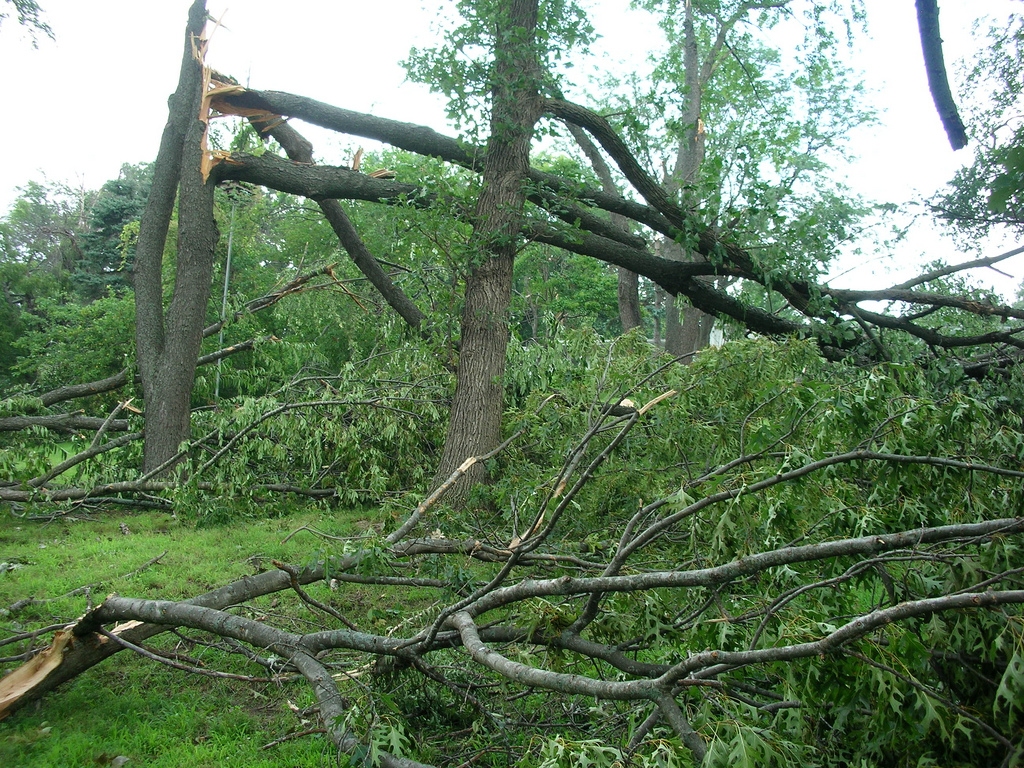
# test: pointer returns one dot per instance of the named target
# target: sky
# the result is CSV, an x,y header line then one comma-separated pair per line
x,y
96,97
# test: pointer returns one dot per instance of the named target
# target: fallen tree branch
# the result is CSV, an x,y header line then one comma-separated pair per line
x,y
185,667
89,453
746,566
45,495
301,151
62,422
935,67
829,320
75,391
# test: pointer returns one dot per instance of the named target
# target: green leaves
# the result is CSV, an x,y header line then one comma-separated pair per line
x,y
1007,188
461,68
29,16
988,194
1009,698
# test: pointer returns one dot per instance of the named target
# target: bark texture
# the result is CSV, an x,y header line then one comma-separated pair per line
x,y
935,66
688,329
168,343
628,292
475,426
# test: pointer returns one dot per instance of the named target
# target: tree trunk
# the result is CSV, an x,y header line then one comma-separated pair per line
x,y
168,344
696,327
673,328
629,300
688,331
475,426
659,301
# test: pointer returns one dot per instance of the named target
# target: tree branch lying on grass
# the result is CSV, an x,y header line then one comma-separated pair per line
x,y
492,631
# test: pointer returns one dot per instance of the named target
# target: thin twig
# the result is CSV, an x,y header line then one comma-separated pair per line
x,y
293,736
293,576
185,667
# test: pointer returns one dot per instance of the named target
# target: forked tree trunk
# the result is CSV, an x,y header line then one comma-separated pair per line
x,y
168,343
475,426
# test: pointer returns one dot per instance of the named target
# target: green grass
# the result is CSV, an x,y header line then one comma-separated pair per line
x,y
63,555
130,706
158,718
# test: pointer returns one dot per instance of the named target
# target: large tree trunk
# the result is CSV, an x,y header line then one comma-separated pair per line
x,y
688,331
475,426
168,344
629,300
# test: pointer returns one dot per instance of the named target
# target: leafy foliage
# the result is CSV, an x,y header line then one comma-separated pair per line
x,y
68,342
363,433
119,202
986,195
29,16
461,68
755,559
779,407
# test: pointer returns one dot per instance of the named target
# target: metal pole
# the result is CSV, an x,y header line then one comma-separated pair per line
x,y
224,298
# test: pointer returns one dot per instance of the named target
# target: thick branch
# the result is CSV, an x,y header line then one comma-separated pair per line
x,y
746,566
715,662
599,238
83,655
653,192
938,82
254,633
301,151
541,678
61,422
315,181
414,138
74,391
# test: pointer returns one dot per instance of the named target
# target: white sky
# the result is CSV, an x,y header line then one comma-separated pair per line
x,y
79,107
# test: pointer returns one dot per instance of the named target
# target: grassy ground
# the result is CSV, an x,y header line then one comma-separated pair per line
x,y
134,707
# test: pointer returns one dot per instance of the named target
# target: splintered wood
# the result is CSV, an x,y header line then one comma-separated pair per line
x,y
215,87
31,673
